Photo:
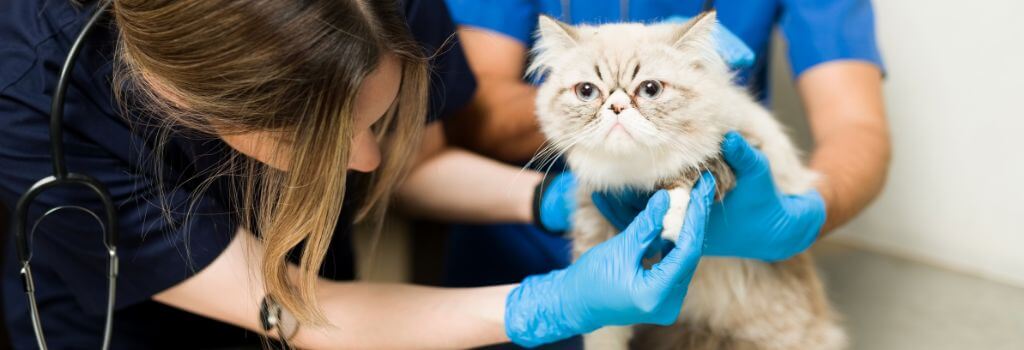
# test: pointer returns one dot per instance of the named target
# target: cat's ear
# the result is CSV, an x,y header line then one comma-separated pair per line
x,y
697,32
553,34
553,39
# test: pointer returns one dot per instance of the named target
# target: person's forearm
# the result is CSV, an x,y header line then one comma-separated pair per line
x,y
844,104
499,122
853,164
360,315
392,316
461,186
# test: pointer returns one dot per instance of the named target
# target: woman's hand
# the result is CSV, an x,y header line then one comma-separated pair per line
x,y
755,220
554,201
608,285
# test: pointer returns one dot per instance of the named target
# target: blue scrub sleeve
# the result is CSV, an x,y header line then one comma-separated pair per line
x,y
819,31
513,18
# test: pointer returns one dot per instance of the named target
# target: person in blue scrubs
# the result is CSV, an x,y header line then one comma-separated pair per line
x,y
190,265
835,63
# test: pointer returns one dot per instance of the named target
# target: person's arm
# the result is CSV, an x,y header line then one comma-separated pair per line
x,y
843,100
453,184
362,315
607,286
499,122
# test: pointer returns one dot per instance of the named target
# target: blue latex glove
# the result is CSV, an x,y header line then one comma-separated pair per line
x,y
608,284
554,201
733,50
620,207
755,220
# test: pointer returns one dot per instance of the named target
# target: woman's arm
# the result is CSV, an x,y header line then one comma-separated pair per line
x,y
453,184
607,286
844,105
363,315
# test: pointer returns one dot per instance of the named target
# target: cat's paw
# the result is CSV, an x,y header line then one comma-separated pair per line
x,y
679,200
608,338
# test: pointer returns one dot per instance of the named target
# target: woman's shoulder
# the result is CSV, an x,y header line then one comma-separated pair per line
x,y
32,30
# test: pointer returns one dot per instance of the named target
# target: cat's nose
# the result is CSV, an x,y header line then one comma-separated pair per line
x,y
615,107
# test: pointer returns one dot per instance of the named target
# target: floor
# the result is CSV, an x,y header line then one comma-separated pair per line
x,y
890,303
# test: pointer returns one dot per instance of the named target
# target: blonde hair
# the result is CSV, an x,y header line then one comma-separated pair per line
x,y
293,68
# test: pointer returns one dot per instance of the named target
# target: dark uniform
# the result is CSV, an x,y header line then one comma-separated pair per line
x,y
69,261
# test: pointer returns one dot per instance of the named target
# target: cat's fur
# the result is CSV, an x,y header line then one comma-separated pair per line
x,y
664,142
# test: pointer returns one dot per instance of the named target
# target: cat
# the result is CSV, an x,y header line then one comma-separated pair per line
x,y
646,107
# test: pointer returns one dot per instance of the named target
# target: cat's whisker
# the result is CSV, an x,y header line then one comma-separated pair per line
x,y
549,153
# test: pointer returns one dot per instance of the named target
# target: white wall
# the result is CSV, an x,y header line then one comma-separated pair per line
x,y
955,195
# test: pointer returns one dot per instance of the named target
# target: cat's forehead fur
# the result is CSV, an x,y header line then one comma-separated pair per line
x,y
623,35
575,50
618,43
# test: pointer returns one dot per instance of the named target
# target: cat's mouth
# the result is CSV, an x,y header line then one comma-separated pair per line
x,y
618,130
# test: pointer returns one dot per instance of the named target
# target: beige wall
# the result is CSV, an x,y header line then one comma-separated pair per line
x,y
955,195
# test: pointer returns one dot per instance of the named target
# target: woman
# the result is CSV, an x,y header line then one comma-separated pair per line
x,y
228,154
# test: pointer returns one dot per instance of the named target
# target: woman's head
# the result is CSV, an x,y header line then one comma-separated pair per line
x,y
306,89
375,96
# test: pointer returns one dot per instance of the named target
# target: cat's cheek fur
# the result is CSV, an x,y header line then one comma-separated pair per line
x,y
600,169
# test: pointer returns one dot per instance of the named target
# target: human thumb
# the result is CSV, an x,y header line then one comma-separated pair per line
x,y
678,265
741,156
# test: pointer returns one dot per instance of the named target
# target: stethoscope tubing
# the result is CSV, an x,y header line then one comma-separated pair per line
x,y
61,177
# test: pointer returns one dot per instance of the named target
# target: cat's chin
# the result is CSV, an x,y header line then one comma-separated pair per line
x,y
600,169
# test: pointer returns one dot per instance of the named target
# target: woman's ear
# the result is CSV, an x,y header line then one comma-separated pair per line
x,y
698,32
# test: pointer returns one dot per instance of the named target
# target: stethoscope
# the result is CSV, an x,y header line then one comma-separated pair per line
x,y
62,178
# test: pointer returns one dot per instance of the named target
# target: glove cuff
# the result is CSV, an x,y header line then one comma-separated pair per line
x,y
535,314
538,201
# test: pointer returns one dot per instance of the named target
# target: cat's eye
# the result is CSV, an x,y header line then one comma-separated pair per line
x,y
586,92
649,89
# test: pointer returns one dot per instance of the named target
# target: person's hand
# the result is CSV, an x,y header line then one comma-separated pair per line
x,y
755,219
608,284
554,201
620,207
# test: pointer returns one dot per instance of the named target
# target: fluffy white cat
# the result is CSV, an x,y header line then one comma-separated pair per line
x,y
646,107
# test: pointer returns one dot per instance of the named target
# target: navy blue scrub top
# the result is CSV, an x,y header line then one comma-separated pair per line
x,y
69,261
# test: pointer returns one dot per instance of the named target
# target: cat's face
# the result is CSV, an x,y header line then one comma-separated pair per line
x,y
630,104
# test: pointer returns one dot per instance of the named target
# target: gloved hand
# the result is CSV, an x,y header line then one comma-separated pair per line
x,y
754,220
554,201
619,207
608,285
